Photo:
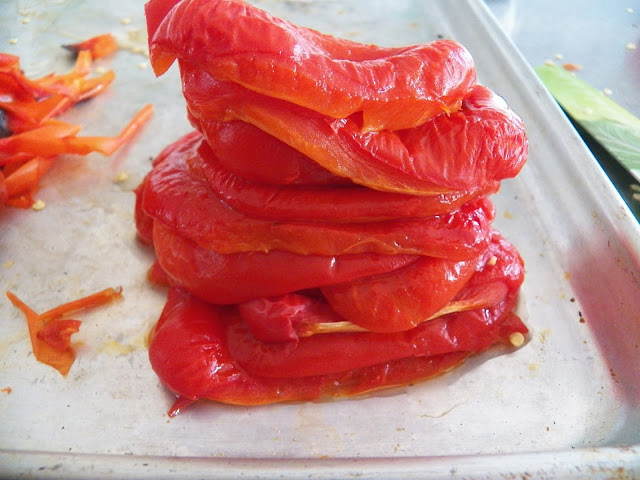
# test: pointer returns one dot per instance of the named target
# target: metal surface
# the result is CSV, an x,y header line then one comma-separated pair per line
x,y
565,405
601,39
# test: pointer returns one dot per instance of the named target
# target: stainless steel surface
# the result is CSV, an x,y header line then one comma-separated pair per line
x,y
597,36
566,403
601,38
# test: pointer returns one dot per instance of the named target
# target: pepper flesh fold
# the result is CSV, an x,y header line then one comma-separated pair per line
x,y
320,201
238,277
365,301
392,88
175,195
255,156
465,150
189,352
326,228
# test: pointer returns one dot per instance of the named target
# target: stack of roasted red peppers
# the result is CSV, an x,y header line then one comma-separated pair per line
x,y
325,229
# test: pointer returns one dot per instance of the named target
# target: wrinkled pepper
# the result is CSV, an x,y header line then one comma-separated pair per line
x,y
326,229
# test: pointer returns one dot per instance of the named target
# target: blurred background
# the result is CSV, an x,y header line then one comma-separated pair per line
x,y
600,39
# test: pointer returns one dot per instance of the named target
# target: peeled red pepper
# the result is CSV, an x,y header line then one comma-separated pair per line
x,y
322,236
189,352
175,196
482,142
470,331
255,156
237,277
398,301
349,203
392,88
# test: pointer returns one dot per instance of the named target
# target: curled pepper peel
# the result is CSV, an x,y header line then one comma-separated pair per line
x,y
31,136
51,334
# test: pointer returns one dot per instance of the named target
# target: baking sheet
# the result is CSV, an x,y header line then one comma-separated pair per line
x,y
566,403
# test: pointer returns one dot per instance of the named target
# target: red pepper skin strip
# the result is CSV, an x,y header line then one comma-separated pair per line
x,y
50,335
99,46
90,301
13,80
174,196
394,88
31,138
23,181
481,143
58,334
238,277
321,203
3,190
59,358
25,116
189,353
52,140
31,113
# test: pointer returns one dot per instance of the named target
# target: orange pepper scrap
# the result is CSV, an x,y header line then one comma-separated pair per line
x,y
31,138
99,46
51,334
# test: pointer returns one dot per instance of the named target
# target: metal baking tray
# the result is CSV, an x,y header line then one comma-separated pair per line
x,y
566,405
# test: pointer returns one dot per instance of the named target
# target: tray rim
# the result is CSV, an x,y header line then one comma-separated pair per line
x,y
594,463
603,462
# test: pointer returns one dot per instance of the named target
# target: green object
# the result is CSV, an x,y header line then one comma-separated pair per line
x,y
615,128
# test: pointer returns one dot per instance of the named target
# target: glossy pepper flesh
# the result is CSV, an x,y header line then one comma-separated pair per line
x,y
325,230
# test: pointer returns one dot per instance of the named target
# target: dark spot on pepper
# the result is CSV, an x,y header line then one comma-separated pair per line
x,y
4,126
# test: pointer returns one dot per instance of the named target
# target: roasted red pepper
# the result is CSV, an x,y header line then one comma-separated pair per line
x,y
255,156
482,142
392,88
175,195
237,277
190,354
398,301
326,229
350,203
